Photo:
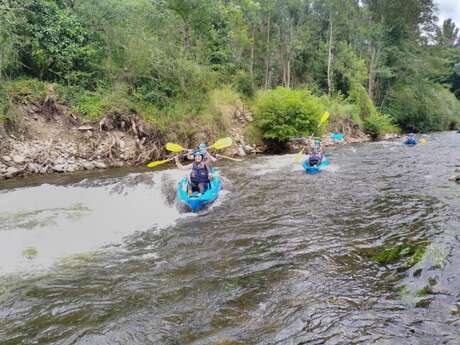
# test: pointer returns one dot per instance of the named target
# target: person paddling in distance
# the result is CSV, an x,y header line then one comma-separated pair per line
x,y
410,139
200,176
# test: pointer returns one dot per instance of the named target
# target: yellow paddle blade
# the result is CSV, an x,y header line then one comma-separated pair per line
x,y
157,163
222,143
324,118
298,156
174,148
423,141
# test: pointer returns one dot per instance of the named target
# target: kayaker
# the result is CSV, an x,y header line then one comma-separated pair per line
x,y
410,139
200,176
315,155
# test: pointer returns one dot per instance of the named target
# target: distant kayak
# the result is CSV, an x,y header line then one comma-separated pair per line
x,y
314,169
198,201
410,142
337,136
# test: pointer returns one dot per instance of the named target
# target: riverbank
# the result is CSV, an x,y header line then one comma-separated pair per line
x,y
49,136
52,138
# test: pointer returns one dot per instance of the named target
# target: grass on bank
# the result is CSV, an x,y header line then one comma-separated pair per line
x,y
278,114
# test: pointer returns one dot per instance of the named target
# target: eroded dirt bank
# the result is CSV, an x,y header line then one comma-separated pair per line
x,y
52,139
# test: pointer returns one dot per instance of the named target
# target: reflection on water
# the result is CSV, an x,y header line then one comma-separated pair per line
x,y
365,253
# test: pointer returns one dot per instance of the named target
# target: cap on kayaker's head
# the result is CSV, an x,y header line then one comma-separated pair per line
x,y
198,156
411,135
202,147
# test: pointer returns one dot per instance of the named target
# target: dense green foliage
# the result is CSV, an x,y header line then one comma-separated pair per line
x,y
282,114
166,58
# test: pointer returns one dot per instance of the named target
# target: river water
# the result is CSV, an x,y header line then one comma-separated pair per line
x,y
281,258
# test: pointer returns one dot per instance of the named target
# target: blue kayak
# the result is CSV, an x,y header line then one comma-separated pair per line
x,y
314,169
410,142
337,136
198,201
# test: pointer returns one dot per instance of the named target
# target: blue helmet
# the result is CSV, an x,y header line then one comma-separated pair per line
x,y
198,153
202,147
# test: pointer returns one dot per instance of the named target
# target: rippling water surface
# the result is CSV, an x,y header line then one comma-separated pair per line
x,y
281,258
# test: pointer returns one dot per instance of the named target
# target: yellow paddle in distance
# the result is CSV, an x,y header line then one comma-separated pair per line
x,y
423,141
324,118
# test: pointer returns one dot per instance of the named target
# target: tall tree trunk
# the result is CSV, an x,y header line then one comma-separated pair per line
x,y
289,55
288,73
329,60
252,50
372,67
372,56
267,57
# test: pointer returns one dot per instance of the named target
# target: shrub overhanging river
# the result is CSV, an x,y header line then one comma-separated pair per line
x,y
366,252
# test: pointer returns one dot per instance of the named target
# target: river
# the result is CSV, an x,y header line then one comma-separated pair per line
x,y
281,258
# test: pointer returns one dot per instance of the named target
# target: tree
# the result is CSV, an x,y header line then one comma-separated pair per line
x,y
448,34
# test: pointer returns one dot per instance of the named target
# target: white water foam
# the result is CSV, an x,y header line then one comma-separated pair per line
x,y
270,164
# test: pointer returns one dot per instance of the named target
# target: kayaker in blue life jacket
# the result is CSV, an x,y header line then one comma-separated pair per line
x,y
315,156
410,139
200,175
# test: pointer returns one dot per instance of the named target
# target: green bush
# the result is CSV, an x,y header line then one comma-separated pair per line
x,y
283,113
244,83
341,109
118,100
377,125
423,106
360,97
89,106
25,89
